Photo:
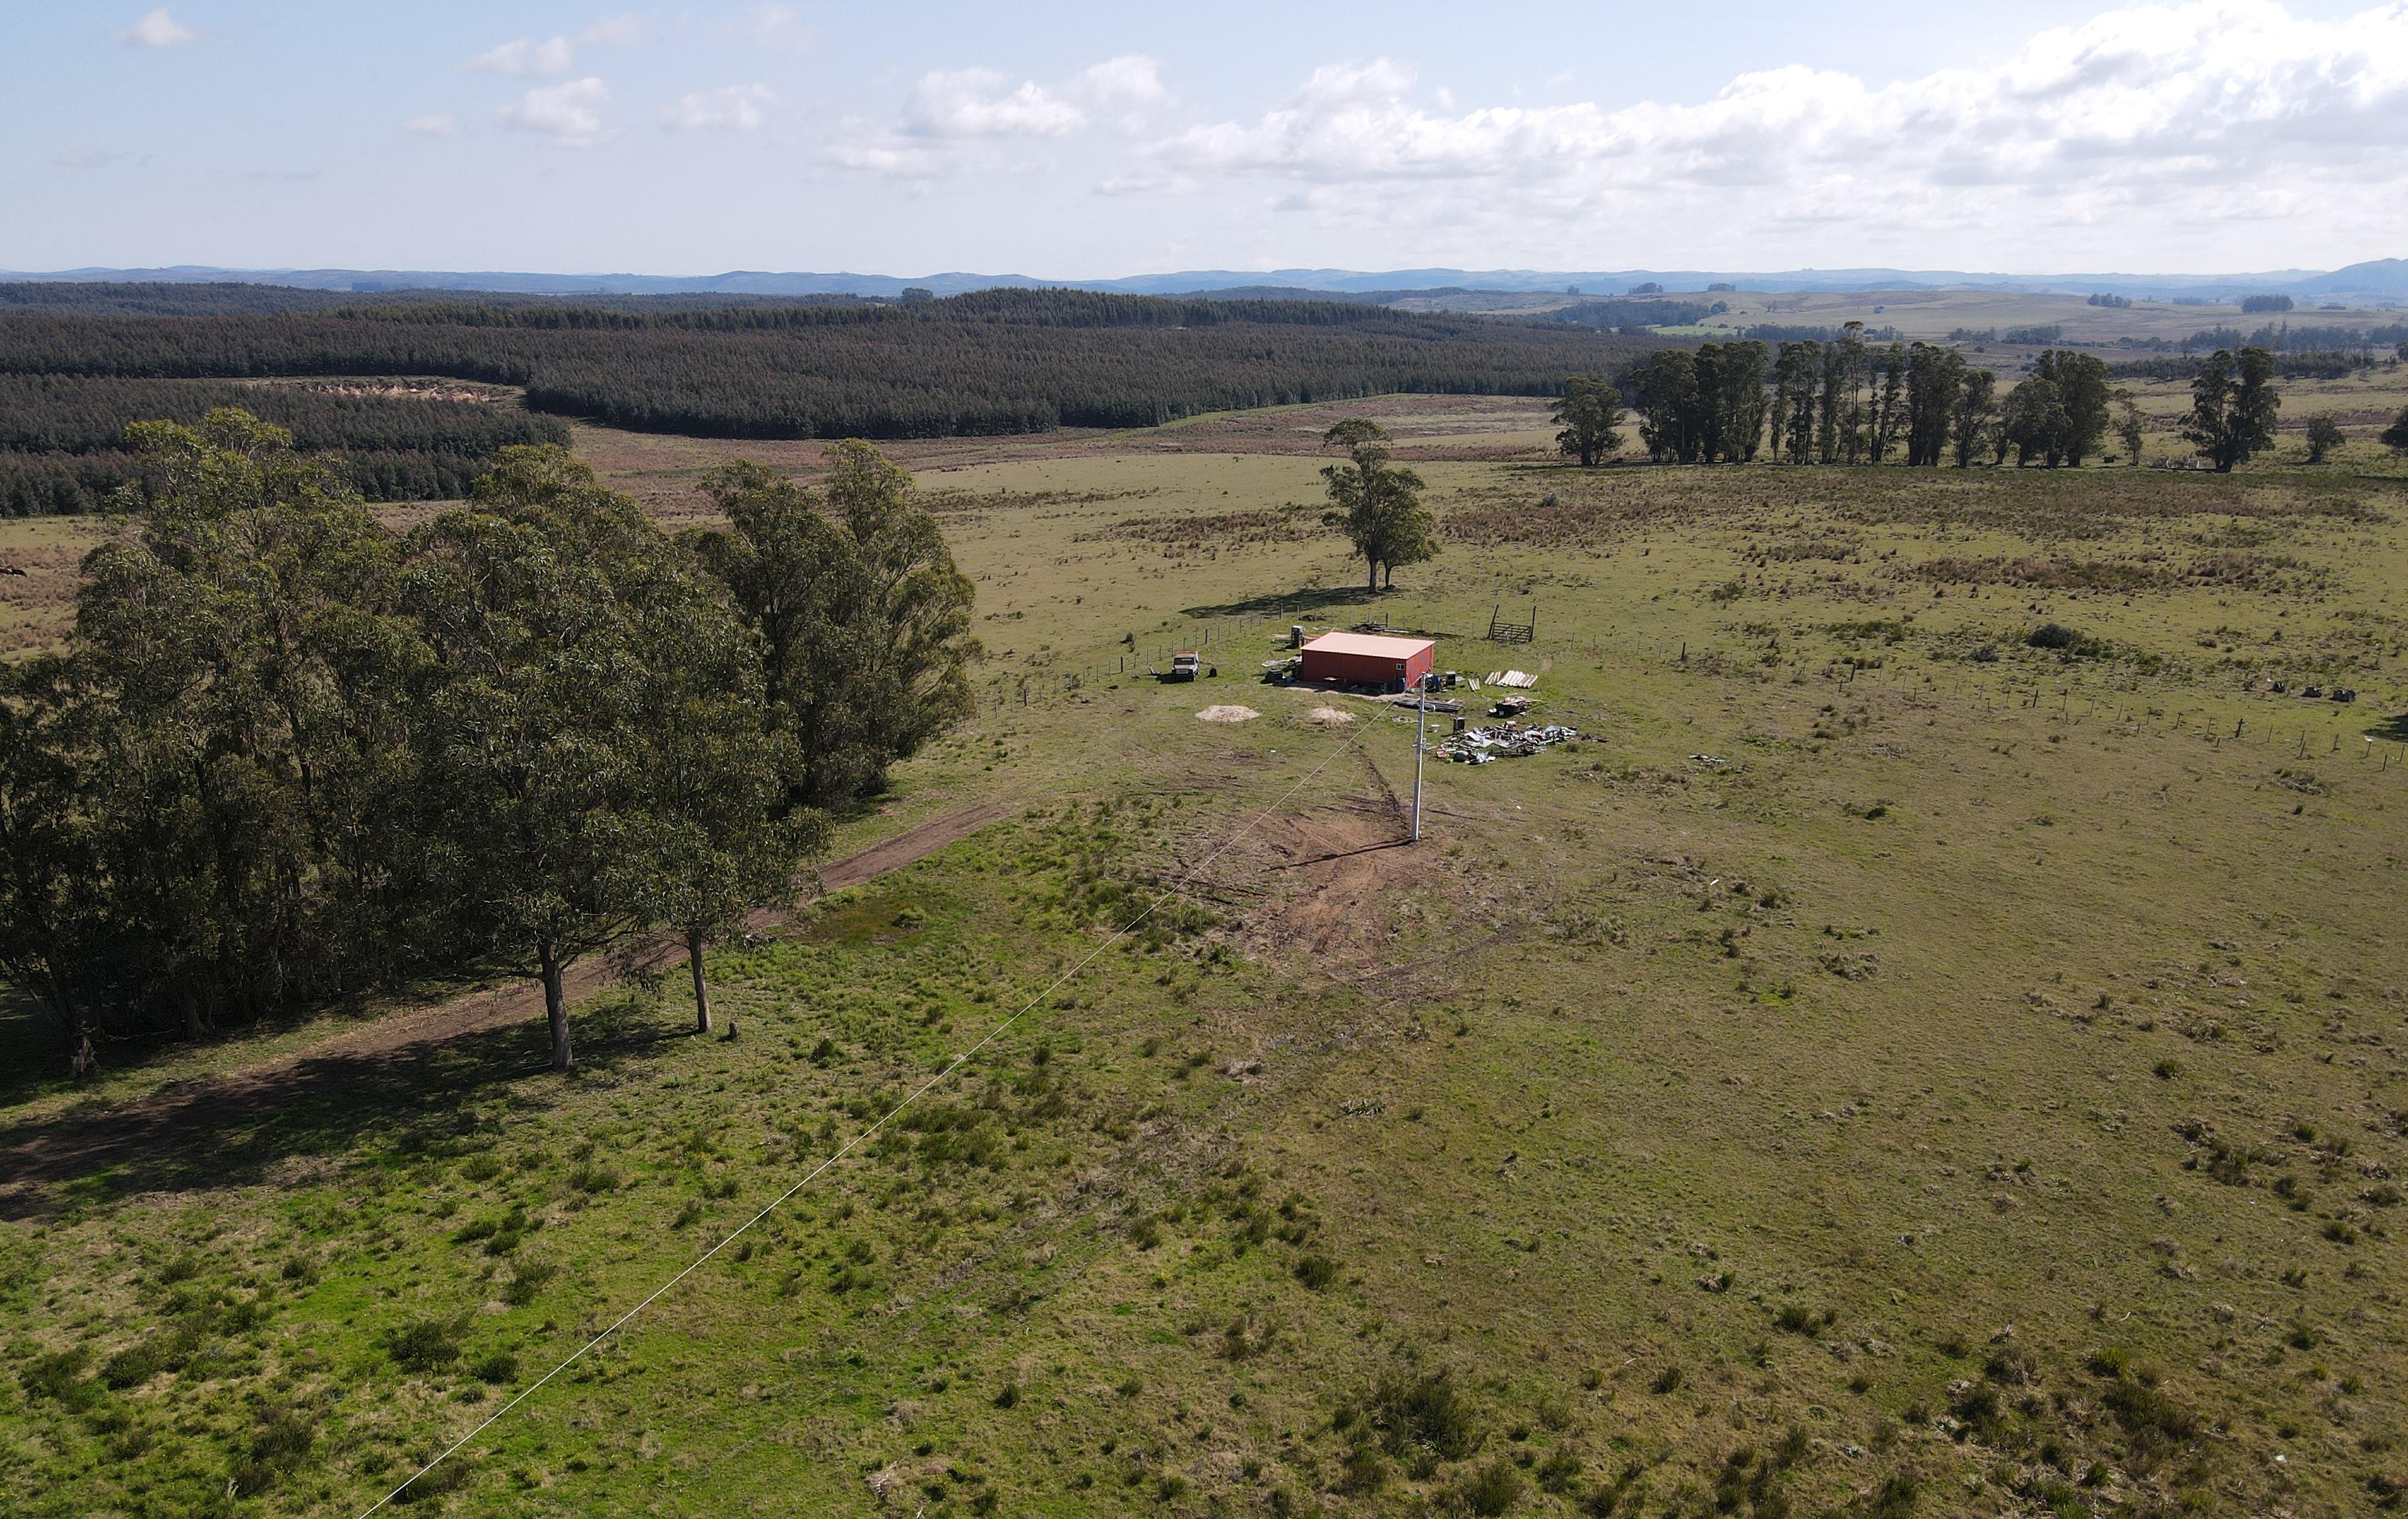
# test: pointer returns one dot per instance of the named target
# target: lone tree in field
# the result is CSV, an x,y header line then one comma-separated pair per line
x,y
1590,413
2324,436
564,631
2233,407
1377,504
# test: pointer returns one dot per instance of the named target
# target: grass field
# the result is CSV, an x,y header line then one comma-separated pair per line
x,y
1884,1067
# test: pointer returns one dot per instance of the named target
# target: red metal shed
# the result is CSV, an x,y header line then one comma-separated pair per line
x,y
1370,659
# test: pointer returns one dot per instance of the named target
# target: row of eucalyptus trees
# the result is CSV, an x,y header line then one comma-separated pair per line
x,y
291,757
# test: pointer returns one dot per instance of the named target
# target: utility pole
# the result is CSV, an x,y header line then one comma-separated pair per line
x,y
1420,743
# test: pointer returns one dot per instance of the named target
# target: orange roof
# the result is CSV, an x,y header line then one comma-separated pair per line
x,y
1378,646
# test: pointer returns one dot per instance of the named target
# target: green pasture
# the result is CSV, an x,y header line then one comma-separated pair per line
x,y
1888,1065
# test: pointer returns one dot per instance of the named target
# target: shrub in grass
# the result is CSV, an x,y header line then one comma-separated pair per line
x,y
423,1345
1010,1396
1558,1471
526,1280
1666,1381
133,1366
283,1441
1490,1491
446,1479
596,1180
1796,1319
1427,1412
59,1375
497,1367
1361,1470
1317,1271
1896,1498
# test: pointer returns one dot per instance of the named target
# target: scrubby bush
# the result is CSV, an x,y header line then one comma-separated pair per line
x,y
423,1345
1426,1411
1491,1490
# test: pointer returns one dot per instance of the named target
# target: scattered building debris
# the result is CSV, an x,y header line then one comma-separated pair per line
x,y
1228,714
1502,740
1513,679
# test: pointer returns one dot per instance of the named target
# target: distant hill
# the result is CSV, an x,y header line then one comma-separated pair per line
x,y
2378,279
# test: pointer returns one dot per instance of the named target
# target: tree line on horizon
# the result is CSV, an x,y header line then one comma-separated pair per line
x,y
1849,402
63,447
996,362
291,758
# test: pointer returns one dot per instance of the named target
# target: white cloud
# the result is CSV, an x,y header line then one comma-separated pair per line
x,y
526,56
734,107
973,102
615,32
1130,80
771,27
156,30
952,120
570,114
2150,117
437,126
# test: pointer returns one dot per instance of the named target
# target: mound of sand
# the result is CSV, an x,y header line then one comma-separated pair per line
x,y
1227,714
1328,717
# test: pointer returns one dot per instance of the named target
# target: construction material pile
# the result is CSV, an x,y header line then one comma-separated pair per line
x,y
1503,740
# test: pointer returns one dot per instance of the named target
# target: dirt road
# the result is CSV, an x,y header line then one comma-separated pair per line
x,y
180,1118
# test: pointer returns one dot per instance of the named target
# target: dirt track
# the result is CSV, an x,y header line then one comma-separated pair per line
x,y
183,1117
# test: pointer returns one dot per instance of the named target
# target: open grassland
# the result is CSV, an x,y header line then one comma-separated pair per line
x,y
1884,1067
36,607
1933,314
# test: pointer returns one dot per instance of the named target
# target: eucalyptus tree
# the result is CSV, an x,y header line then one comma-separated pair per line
x,y
2233,407
1590,414
1970,414
1376,502
860,617
563,631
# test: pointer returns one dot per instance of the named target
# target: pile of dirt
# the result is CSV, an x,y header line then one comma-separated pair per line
x,y
1228,714
1329,717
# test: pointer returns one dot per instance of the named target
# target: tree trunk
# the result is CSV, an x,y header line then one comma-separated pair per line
x,y
701,991
556,1006
1374,584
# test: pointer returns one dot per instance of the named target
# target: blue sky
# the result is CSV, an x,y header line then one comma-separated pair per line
x,y
1067,141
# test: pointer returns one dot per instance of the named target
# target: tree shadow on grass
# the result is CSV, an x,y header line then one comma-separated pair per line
x,y
234,1132
2390,730
1289,603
